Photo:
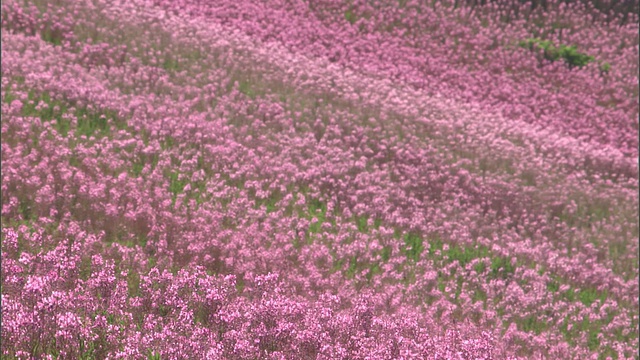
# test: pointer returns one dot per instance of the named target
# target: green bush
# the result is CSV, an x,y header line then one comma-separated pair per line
x,y
572,57
569,53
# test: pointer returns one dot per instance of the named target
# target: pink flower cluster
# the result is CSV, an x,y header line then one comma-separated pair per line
x,y
278,180
465,53
191,314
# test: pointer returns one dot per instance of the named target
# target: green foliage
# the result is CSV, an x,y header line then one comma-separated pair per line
x,y
337,265
89,125
25,209
123,237
592,340
84,270
572,57
479,295
414,246
434,245
47,113
153,356
464,255
442,285
8,96
586,296
167,143
164,310
480,268
74,161
139,164
594,210
361,222
456,253
170,64
90,122
373,271
350,17
317,209
133,283
240,283
551,52
87,351
353,266
459,282
617,248
176,186
385,254
501,266
137,167
608,352
570,295
53,36
246,88
531,324
564,330
270,204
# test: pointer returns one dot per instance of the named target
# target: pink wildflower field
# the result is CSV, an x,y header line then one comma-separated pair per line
x,y
295,179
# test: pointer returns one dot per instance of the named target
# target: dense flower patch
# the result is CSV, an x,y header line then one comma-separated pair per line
x,y
278,180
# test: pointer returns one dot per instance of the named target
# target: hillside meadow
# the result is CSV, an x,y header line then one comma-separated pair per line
x,y
288,179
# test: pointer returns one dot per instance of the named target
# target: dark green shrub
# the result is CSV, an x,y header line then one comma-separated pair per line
x,y
569,53
572,57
